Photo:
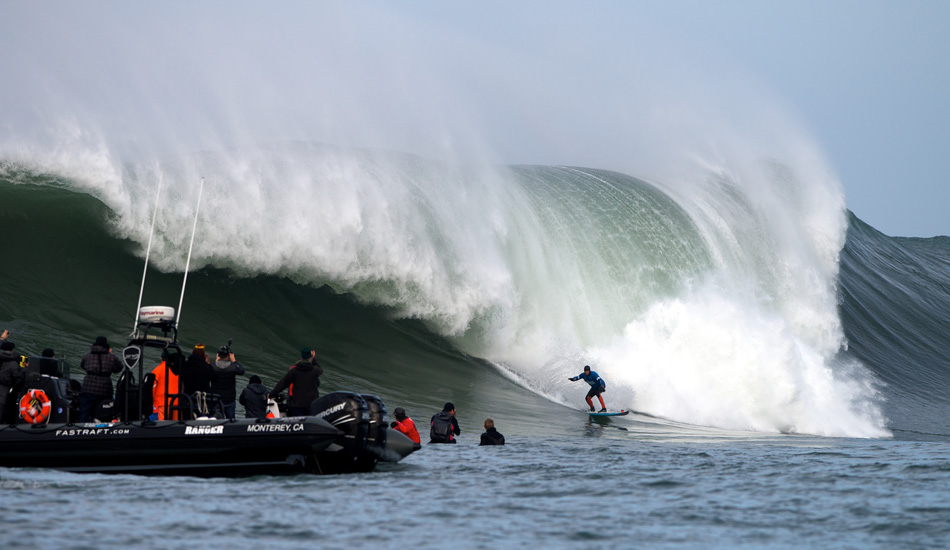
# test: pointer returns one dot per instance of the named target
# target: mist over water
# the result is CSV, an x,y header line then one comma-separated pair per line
x,y
704,292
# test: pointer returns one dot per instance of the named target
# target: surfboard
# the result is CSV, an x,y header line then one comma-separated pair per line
x,y
609,413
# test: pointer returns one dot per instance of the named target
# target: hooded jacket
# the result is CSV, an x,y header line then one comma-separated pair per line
x,y
225,371
254,399
304,376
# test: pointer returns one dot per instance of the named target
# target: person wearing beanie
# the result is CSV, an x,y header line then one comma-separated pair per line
x,y
303,379
195,378
444,425
226,370
10,375
254,398
491,435
100,364
197,373
405,425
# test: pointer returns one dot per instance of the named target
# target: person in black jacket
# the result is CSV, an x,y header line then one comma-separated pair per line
x,y
197,372
195,382
10,375
304,375
491,435
444,426
254,398
100,364
226,370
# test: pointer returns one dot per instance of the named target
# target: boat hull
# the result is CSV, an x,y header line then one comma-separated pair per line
x,y
198,447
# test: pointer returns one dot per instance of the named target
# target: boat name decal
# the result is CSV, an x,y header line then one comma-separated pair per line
x,y
203,430
331,410
275,428
92,431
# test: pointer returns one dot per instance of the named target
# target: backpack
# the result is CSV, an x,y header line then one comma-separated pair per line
x,y
441,431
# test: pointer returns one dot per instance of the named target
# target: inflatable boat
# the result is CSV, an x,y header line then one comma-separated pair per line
x,y
344,432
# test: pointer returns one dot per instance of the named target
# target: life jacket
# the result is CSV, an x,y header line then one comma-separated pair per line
x,y
158,390
441,431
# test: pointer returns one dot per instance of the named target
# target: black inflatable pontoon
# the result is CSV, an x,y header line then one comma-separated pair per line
x,y
345,432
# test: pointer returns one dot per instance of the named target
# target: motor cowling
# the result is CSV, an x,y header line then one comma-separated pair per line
x,y
375,434
349,413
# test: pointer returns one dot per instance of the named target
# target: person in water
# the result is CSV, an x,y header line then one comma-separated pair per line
x,y
254,398
491,435
226,370
444,426
100,364
303,379
597,387
405,425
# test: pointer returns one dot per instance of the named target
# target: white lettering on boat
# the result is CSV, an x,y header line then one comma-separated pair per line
x,y
204,430
256,428
331,410
91,431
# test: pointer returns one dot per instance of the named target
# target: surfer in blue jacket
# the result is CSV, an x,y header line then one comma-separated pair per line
x,y
597,387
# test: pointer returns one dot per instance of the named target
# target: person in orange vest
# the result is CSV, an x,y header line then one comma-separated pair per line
x,y
159,404
405,425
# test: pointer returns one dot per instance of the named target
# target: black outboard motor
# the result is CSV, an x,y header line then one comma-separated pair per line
x,y
375,435
349,413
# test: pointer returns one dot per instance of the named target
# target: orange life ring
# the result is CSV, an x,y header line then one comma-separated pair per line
x,y
34,407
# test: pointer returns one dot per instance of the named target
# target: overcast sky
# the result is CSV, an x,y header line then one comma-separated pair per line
x,y
869,78
540,81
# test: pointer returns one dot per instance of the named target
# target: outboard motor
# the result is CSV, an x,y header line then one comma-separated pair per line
x,y
375,435
349,413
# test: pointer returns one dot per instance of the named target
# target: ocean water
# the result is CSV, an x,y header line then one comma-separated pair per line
x,y
596,487
789,362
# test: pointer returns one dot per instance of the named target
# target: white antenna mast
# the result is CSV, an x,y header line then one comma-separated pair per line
x,y
148,251
190,246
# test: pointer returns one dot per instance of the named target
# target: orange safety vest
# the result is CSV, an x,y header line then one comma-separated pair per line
x,y
158,390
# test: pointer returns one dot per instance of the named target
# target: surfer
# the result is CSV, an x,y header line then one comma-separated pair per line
x,y
597,387
491,435
443,425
